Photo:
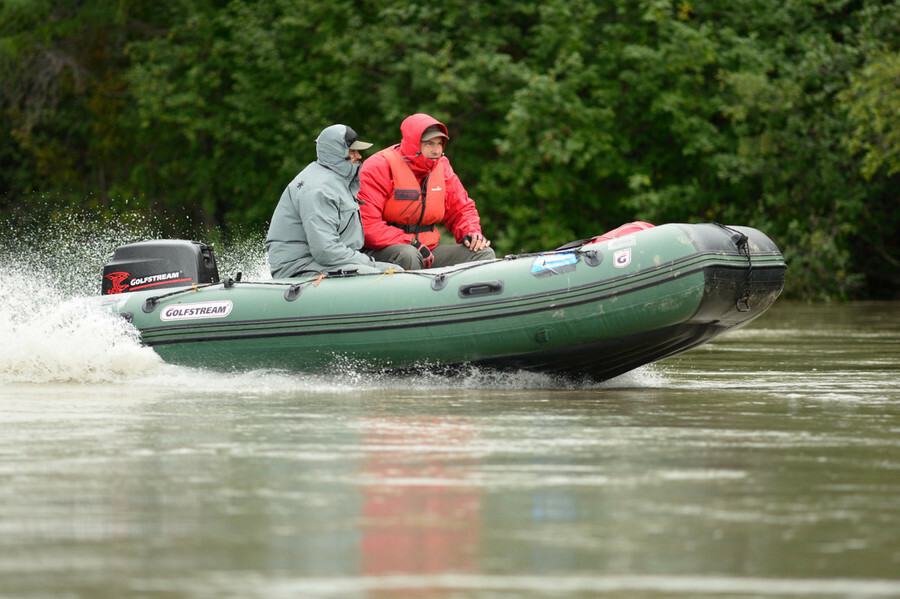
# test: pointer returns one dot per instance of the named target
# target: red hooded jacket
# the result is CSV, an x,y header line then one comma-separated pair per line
x,y
376,187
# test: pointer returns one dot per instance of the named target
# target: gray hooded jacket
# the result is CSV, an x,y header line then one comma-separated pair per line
x,y
316,226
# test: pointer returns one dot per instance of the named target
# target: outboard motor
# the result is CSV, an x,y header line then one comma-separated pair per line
x,y
159,264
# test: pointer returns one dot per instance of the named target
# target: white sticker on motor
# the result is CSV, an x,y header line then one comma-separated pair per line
x,y
217,309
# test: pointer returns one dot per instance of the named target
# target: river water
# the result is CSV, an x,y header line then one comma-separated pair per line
x,y
764,464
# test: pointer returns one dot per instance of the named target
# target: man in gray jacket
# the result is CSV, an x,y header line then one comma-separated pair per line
x,y
316,226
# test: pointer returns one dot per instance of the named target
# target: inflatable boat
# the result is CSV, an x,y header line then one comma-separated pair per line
x,y
592,309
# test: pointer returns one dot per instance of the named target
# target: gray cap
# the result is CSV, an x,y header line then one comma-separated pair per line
x,y
352,140
432,132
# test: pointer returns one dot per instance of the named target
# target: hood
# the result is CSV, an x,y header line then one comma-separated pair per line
x,y
333,150
412,129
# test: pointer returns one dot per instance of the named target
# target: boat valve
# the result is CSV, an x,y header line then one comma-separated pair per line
x,y
439,282
592,257
228,283
293,292
149,305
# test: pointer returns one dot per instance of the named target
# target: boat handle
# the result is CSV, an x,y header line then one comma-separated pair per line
x,y
480,288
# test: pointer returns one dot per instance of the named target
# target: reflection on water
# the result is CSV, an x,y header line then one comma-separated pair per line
x,y
422,514
764,464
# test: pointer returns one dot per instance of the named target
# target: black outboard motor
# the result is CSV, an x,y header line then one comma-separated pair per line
x,y
159,264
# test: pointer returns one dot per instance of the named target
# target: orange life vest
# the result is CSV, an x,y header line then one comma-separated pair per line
x,y
411,208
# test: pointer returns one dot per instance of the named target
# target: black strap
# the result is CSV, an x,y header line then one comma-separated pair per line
x,y
414,228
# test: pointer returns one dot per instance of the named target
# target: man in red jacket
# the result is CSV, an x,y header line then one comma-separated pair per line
x,y
407,189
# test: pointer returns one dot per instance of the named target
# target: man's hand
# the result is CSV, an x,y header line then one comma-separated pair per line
x,y
424,252
476,242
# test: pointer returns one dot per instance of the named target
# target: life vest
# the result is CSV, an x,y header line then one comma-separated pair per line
x,y
412,208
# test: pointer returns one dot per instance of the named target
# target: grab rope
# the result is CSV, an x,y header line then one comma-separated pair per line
x,y
229,282
150,302
742,243
294,288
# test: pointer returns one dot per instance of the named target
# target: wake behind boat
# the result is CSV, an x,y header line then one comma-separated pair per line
x,y
594,309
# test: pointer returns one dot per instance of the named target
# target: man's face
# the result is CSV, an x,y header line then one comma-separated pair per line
x,y
433,148
355,156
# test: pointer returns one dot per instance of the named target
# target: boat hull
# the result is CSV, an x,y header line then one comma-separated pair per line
x,y
595,311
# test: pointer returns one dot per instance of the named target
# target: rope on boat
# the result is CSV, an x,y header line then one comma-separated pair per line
x,y
150,302
294,289
742,243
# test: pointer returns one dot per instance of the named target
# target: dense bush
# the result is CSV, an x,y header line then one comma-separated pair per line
x,y
567,117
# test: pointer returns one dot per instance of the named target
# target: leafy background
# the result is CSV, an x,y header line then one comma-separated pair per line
x,y
567,117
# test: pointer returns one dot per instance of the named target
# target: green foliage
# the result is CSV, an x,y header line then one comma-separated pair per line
x,y
872,103
567,118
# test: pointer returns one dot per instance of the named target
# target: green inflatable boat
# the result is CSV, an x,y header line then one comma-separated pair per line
x,y
592,309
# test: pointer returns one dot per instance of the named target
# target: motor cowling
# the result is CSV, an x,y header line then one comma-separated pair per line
x,y
159,264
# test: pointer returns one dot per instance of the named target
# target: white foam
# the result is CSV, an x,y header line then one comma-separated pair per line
x,y
49,331
45,337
